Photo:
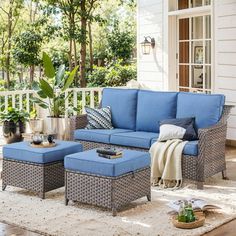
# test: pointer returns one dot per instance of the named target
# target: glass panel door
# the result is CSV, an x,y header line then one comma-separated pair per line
x,y
194,53
185,4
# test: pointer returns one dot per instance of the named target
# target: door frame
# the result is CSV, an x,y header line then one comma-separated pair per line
x,y
172,39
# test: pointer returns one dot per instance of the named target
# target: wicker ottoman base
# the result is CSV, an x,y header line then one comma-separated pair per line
x,y
39,178
109,192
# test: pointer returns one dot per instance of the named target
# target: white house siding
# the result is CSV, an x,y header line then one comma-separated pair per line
x,y
225,56
153,69
150,23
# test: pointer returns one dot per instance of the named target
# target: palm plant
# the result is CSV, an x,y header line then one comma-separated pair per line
x,y
50,92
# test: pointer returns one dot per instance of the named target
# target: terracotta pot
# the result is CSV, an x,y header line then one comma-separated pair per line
x,y
12,131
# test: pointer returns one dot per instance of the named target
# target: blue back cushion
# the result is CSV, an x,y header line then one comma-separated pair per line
x,y
123,104
207,109
154,107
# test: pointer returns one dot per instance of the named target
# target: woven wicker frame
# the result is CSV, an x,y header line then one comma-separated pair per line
x,y
39,178
211,155
108,192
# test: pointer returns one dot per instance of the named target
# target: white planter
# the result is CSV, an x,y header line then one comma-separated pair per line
x,y
60,127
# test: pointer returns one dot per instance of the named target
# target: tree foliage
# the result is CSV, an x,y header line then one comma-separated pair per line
x,y
84,33
120,42
26,50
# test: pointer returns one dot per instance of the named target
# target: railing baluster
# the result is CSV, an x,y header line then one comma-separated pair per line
x,y
13,97
92,98
6,102
20,101
75,102
83,101
99,96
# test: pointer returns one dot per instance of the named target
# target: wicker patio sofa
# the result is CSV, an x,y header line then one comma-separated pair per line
x,y
206,161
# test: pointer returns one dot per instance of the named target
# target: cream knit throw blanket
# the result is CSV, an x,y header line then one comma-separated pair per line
x,y
166,168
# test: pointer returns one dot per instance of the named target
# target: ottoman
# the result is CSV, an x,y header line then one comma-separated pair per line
x,y
37,169
109,183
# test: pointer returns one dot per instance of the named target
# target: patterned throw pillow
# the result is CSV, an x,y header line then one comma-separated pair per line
x,y
98,118
182,128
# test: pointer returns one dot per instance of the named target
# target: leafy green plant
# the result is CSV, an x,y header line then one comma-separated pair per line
x,y
50,92
115,74
14,115
33,114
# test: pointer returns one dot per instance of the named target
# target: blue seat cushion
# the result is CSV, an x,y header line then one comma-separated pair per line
x,y
207,109
133,139
22,151
90,162
153,107
97,135
191,148
123,104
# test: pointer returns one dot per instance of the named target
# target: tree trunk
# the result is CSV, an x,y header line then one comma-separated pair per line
x,y
76,63
3,52
83,23
9,43
32,67
74,46
70,55
90,46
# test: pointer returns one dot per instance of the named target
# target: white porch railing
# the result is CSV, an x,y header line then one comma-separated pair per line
x,y
81,97
17,99
74,97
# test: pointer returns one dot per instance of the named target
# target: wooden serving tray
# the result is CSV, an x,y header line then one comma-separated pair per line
x,y
43,146
192,225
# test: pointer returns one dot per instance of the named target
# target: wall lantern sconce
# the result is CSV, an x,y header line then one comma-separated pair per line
x,y
147,44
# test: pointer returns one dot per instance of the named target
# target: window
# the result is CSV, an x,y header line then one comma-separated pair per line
x,y
194,51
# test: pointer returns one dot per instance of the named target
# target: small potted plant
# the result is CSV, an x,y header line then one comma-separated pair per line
x,y
14,121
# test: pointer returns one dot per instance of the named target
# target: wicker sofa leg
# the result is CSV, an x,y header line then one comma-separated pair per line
x,y
224,175
41,195
66,201
4,187
114,211
149,198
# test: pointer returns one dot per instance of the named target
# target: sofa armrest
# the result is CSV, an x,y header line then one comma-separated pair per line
x,y
211,153
77,122
226,113
80,121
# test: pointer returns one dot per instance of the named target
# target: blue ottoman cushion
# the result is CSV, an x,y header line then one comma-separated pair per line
x,y
90,162
97,135
22,151
123,104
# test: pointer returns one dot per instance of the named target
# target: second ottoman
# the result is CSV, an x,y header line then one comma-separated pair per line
x,y
110,183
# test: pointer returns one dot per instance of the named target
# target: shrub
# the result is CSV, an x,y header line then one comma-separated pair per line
x,y
113,75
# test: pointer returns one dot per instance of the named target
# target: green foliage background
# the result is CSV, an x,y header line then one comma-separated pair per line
x,y
39,26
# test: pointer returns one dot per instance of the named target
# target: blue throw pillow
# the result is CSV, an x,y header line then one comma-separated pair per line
x,y
181,128
98,118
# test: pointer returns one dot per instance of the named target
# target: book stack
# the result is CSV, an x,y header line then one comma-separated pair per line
x,y
109,153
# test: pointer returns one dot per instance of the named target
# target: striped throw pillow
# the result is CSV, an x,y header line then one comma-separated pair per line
x,y
98,118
